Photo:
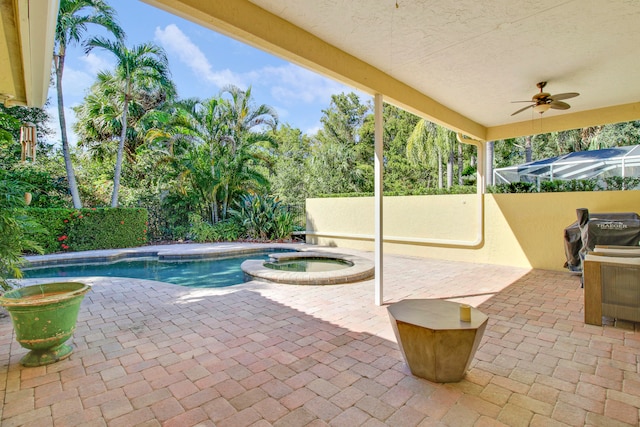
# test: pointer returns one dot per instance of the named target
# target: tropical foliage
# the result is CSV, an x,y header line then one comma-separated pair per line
x,y
73,18
222,167
213,169
16,230
263,217
141,74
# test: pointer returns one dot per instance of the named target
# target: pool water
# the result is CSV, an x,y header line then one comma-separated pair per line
x,y
309,265
199,273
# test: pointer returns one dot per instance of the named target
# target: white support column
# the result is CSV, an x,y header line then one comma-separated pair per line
x,y
379,166
488,167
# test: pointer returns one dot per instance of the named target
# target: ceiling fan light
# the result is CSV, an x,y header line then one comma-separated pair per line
x,y
541,108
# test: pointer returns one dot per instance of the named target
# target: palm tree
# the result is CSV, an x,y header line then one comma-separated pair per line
x,y
193,135
99,118
217,146
98,123
171,129
193,172
73,18
428,143
246,126
139,71
239,172
243,117
422,147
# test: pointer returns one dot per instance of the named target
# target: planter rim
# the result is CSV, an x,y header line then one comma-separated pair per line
x,y
15,297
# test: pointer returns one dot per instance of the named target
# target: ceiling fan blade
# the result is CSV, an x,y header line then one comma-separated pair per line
x,y
561,96
559,105
513,102
522,109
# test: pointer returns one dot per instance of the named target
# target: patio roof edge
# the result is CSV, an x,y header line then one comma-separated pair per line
x,y
580,119
248,23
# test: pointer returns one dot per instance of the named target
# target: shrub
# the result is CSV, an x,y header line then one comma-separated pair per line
x,y
456,189
52,221
17,232
47,190
284,224
222,231
552,186
88,229
168,215
514,187
263,217
581,185
620,183
559,185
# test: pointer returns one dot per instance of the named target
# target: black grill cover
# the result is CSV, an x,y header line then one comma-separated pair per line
x,y
618,228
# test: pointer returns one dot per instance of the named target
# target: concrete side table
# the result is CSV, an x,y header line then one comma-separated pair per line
x,y
435,343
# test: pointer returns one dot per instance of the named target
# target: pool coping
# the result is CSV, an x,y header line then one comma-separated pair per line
x,y
361,269
174,253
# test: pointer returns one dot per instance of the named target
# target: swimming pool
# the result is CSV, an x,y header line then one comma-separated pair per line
x,y
198,273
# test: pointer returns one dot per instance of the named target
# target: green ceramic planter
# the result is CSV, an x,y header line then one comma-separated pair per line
x,y
44,318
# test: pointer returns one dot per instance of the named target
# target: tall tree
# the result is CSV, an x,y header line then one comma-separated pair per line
x,y
290,178
428,143
139,71
99,118
341,161
217,147
527,149
400,175
341,124
244,117
489,163
247,129
191,139
423,147
73,19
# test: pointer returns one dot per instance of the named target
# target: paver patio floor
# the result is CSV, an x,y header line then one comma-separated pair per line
x,y
259,354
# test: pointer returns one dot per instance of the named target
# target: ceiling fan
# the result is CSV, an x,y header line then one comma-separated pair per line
x,y
543,101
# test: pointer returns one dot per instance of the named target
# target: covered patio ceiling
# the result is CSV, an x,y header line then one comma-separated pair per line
x,y
460,64
27,30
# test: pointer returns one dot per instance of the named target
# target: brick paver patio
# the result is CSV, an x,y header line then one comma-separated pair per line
x,y
260,354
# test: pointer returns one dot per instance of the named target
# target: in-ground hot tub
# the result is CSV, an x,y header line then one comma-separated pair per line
x,y
310,268
309,265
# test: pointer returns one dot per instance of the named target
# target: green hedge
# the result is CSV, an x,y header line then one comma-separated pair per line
x,y
456,189
613,183
71,230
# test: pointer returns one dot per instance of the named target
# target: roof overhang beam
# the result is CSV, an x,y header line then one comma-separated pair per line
x,y
248,23
29,32
566,121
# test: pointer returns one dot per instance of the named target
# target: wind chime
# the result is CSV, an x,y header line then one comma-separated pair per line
x,y
28,141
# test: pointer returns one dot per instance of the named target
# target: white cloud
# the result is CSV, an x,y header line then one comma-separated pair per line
x,y
76,82
313,130
176,42
95,63
288,84
293,90
292,84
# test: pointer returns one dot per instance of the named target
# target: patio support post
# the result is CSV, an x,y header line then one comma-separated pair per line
x,y
489,173
379,166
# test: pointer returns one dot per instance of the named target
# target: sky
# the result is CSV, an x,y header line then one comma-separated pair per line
x,y
202,62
